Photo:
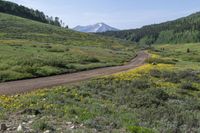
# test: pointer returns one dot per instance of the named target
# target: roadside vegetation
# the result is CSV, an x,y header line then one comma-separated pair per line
x,y
161,96
30,49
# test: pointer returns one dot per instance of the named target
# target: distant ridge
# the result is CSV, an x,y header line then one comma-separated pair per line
x,y
96,28
182,30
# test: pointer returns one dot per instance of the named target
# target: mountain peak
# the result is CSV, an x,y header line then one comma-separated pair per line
x,y
98,27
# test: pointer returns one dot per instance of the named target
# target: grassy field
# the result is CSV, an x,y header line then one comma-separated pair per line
x,y
161,96
31,49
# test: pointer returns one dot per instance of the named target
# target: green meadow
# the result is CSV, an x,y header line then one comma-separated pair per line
x,y
161,96
30,49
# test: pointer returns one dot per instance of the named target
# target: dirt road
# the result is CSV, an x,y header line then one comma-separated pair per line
x,y
22,86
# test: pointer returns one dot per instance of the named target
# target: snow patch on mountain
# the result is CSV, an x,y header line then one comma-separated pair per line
x,y
99,27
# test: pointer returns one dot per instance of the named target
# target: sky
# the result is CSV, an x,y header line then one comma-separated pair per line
x,y
122,14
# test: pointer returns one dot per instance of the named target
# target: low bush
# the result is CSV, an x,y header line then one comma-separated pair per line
x,y
137,129
190,75
90,60
102,124
170,76
160,61
57,49
11,75
188,86
156,73
42,125
149,98
55,62
140,83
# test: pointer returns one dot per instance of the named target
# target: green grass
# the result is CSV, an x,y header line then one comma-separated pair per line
x,y
31,49
153,98
162,96
179,52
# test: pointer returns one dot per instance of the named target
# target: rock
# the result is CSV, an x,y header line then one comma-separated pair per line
x,y
31,116
68,123
3,127
30,122
59,129
47,131
31,131
72,127
20,128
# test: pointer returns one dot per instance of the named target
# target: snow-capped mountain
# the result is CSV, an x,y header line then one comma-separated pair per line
x,y
99,27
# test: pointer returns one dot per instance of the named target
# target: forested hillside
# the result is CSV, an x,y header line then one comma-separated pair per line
x,y
183,30
21,11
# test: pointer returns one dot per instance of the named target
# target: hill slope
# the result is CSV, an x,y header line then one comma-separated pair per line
x,y
183,30
22,11
33,49
99,27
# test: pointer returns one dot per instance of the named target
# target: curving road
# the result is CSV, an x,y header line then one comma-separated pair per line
x,y
23,86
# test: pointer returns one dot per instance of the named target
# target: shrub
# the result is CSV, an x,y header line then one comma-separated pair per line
x,y
91,59
159,94
10,75
189,75
188,86
57,49
46,71
150,98
183,92
188,50
55,62
161,61
170,77
4,75
140,84
136,129
102,123
4,66
30,111
42,125
155,73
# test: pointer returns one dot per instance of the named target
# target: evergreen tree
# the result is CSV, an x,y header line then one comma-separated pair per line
x,y
21,11
183,30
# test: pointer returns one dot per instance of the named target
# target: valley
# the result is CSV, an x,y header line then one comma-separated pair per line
x,y
97,79
29,50
165,93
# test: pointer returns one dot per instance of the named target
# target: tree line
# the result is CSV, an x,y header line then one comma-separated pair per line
x,y
22,11
183,30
